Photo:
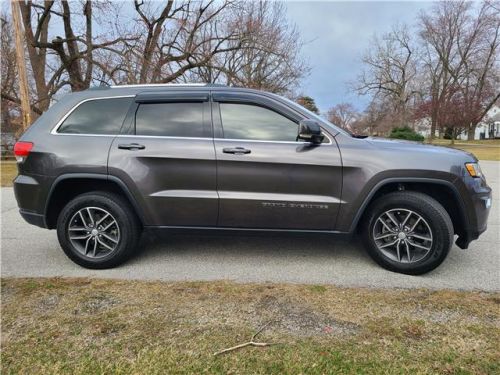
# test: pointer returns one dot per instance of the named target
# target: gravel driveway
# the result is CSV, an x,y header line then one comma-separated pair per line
x,y
28,251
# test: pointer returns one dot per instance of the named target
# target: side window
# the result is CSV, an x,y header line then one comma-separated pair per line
x,y
98,116
244,121
170,119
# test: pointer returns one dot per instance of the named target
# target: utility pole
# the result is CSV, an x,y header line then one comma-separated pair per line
x,y
21,65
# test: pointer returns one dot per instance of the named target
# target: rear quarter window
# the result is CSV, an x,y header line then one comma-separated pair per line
x,y
97,116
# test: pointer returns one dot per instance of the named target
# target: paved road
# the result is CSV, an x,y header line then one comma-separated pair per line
x,y
30,251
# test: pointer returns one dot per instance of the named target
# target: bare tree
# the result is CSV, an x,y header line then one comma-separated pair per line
x,y
10,100
270,56
390,71
58,61
343,115
75,49
463,64
375,120
175,38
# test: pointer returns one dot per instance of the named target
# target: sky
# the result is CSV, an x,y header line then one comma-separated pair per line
x,y
336,35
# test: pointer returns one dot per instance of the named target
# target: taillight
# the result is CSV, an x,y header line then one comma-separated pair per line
x,y
22,150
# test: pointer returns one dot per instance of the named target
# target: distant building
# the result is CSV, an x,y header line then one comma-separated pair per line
x,y
489,127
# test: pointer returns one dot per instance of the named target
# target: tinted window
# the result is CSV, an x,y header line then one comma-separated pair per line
x,y
242,121
103,116
170,119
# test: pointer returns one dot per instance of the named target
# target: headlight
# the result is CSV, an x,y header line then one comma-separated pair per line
x,y
474,169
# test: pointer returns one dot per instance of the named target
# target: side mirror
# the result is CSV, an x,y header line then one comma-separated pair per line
x,y
310,131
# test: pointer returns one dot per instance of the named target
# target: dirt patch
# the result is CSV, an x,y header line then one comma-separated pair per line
x,y
96,303
299,319
48,302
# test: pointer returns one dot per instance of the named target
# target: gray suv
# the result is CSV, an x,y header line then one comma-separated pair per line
x,y
103,164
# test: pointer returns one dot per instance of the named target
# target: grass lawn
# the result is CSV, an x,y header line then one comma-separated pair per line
x,y
485,142
8,172
81,326
482,149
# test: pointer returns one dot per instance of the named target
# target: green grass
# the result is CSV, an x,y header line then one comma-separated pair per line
x,y
8,171
81,326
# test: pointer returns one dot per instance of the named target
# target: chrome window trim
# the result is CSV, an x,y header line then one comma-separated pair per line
x,y
84,135
262,141
160,136
219,139
55,129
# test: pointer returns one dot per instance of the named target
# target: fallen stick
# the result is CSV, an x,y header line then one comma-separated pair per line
x,y
249,343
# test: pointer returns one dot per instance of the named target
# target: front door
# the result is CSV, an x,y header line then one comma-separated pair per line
x,y
167,159
265,177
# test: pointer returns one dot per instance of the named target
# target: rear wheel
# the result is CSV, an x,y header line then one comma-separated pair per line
x,y
98,230
408,232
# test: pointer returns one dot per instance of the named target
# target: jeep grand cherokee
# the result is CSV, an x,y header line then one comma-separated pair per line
x,y
102,165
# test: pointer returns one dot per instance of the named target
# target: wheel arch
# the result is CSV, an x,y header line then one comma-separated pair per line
x,y
441,190
67,186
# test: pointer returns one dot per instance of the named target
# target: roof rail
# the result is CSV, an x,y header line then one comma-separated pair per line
x,y
167,85
216,85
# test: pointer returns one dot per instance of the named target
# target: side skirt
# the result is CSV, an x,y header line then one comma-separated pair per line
x,y
231,231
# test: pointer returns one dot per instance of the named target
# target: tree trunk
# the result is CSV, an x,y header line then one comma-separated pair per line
x,y
471,132
37,57
433,128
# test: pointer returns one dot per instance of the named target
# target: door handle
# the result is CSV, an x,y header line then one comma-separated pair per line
x,y
236,150
131,146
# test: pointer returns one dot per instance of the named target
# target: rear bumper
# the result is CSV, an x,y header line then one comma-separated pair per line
x,y
30,192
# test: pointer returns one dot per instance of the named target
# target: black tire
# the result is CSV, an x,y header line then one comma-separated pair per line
x,y
430,210
121,211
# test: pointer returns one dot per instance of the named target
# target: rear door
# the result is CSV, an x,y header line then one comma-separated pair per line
x,y
166,158
266,178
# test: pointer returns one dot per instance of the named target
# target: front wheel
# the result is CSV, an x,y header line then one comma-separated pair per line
x,y
98,230
408,232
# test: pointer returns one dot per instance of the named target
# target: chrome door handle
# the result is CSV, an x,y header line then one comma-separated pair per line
x,y
236,150
131,146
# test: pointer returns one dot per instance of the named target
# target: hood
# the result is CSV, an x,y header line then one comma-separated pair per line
x,y
417,146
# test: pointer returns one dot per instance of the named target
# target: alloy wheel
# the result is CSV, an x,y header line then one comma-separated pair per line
x,y
402,235
94,232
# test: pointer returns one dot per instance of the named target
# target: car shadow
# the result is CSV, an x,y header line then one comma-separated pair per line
x,y
154,246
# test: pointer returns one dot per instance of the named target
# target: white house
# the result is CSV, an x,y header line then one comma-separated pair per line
x,y
489,127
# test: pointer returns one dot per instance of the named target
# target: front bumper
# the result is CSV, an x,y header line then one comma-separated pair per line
x,y
477,214
33,218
